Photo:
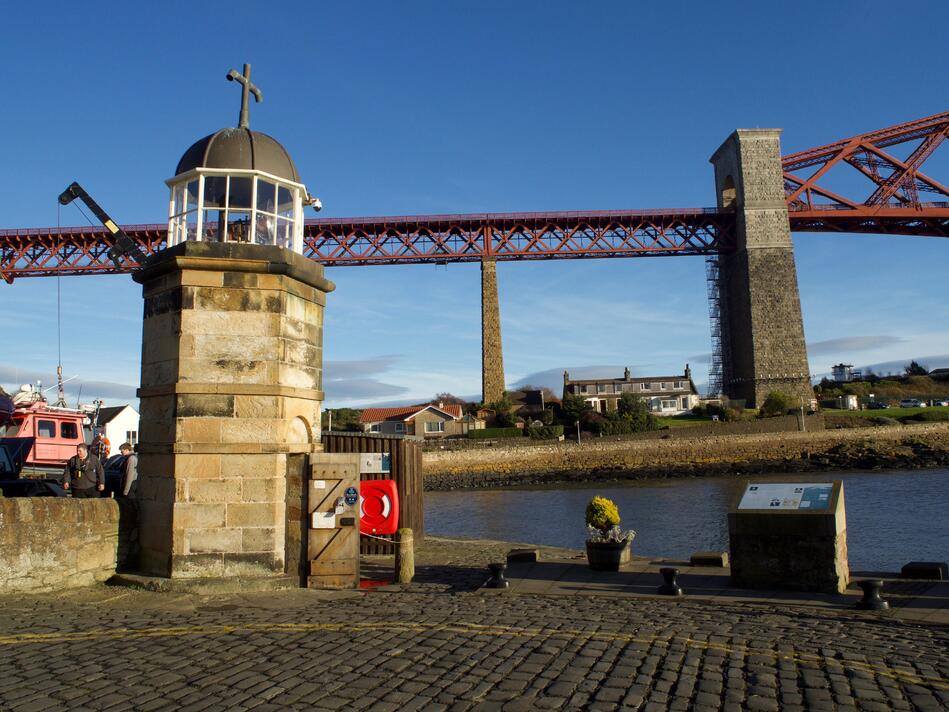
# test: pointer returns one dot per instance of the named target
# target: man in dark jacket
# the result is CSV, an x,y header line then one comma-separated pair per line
x,y
84,476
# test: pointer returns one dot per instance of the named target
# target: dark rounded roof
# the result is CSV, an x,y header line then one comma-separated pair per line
x,y
239,148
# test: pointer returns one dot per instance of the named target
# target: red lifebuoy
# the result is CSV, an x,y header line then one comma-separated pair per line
x,y
378,507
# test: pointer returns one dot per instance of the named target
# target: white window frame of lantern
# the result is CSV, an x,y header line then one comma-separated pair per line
x,y
179,229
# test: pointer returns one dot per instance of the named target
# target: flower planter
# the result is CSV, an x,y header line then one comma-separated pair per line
x,y
608,555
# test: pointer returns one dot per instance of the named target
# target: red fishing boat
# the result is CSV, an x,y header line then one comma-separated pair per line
x,y
56,429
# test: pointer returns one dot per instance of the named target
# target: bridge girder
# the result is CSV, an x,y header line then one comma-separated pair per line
x,y
892,207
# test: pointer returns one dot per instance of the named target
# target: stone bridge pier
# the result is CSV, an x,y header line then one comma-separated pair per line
x,y
763,346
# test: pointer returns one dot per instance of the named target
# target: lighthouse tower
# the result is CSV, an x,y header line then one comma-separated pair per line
x,y
231,385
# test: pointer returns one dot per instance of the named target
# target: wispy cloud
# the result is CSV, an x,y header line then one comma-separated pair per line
x,y
12,378
846,344
352,380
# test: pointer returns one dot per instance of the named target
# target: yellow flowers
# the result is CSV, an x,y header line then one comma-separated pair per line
x,y
602,514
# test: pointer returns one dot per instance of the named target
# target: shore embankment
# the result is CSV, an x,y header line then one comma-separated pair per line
x,y
604,459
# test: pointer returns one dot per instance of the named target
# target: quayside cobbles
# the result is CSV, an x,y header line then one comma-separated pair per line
x,y
120,649
442,643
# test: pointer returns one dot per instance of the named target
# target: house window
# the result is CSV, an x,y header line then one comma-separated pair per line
x,y
68,431
668,405
604,388
131,437
400,427
664,386
685,404
644,386
375,428
45,429
680,385
438,427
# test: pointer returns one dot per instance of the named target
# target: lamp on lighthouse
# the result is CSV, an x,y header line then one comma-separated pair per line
x,y
238,185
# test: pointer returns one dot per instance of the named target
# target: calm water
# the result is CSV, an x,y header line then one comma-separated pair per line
x,y
892,517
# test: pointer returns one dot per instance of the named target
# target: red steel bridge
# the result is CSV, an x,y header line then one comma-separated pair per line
x,y
903,201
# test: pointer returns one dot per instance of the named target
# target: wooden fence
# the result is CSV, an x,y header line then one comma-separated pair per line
x,y
406,465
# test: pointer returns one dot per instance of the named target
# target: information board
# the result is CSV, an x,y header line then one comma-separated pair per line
x,y
785,496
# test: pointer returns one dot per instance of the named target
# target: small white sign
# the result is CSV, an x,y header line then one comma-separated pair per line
x,y
374,462
319,484
323,520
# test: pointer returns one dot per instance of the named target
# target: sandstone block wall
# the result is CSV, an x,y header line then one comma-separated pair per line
x,y
231,385
52,543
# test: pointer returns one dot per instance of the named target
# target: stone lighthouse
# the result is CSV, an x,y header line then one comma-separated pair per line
x,y
231,385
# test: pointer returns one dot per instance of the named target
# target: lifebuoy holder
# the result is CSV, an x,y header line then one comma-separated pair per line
x,y
378,507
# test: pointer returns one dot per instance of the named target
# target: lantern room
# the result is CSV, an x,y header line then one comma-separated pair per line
x,y
237,185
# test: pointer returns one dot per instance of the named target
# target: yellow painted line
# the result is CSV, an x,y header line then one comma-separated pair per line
x,y
465,628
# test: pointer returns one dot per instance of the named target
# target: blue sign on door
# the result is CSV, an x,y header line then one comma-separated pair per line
x,y
351,496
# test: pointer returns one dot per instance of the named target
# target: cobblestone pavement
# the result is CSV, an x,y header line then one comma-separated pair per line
x,y
434,648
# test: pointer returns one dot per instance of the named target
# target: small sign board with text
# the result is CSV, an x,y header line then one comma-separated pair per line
x,y
375,462
793,496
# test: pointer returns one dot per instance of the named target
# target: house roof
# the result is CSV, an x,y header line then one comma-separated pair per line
x,y
632,379
107,414
375,415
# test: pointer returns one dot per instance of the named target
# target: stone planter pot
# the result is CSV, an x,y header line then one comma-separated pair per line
x,y
608,555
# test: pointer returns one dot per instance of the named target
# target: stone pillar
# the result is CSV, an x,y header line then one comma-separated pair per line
x,y
762,330
231,387
492,359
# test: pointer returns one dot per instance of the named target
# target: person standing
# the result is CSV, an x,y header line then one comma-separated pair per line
x,y
84,476
129,471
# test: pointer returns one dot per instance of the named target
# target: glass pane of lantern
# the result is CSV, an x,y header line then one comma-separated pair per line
x,y
239,195
211,226
238,226
215,191
284,233
285,204
191,195
266,193
192,225
177,200
264,233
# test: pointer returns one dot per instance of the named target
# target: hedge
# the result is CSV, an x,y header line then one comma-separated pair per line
x,y
545,432
490,433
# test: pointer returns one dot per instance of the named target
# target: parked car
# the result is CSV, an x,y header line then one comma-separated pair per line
x,y
32,488
939,402
912,403
877,405
113,467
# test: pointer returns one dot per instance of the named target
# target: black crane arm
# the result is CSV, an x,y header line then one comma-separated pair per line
x,y
123,245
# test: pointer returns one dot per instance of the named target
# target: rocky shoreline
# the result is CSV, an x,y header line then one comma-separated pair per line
x,y
922,450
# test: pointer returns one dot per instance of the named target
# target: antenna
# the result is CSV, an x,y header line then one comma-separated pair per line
x,y
79,397
61,394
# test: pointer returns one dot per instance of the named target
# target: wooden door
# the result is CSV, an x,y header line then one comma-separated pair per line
x,y
333,521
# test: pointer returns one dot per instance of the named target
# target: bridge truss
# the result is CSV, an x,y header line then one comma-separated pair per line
x,y
895,205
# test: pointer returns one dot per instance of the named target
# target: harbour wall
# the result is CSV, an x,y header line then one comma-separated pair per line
x,y
923,445
52,543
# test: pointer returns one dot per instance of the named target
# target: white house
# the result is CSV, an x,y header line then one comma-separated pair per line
x,y
120,424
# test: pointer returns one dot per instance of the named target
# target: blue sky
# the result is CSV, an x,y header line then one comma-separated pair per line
x,y
442,107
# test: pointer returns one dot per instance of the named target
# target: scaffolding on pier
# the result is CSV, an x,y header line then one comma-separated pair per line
x,y
713,286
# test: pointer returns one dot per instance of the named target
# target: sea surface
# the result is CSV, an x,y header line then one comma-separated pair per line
x,y
893,517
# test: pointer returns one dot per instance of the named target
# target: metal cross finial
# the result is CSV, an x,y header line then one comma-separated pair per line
x,y
248,89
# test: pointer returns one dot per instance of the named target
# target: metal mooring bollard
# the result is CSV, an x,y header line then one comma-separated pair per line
x,y
671,586
871,600
497,579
